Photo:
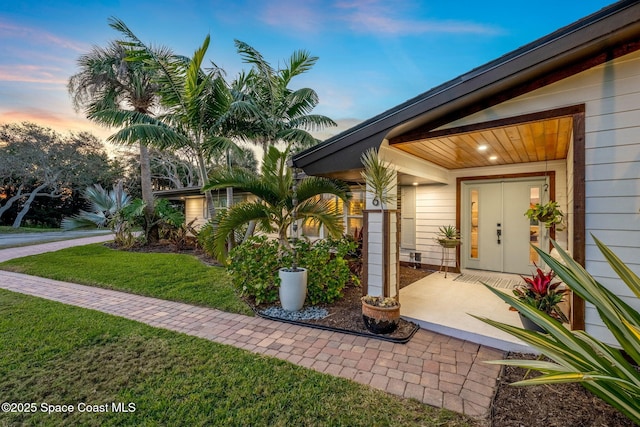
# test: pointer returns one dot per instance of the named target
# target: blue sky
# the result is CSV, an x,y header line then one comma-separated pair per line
x,y
374,54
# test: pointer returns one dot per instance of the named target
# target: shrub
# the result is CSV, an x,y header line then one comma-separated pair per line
x,y
254,269
255,263
328,271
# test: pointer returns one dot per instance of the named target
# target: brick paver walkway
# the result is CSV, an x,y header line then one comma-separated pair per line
x,y
432,368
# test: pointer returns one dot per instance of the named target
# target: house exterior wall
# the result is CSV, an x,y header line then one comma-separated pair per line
x,y
611,95
194,208
436,206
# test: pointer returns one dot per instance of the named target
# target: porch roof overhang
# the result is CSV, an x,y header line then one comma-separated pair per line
x,y
612,32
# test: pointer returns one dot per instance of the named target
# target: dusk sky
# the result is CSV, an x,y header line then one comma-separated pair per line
x,y
373,54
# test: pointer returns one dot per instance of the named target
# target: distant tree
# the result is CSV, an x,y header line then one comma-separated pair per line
x,y
39,163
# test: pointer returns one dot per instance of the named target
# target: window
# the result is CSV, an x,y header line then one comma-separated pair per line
x,y
407,208
473,247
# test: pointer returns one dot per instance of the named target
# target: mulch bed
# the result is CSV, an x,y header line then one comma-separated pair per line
x,y
557,405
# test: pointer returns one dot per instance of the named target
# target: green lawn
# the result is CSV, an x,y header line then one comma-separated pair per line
x,y
56,354
168,276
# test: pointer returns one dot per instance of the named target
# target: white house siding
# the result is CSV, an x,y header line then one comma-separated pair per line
x,y
194,207
611,94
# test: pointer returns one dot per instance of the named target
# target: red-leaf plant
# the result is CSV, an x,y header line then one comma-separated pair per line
x,y
540,293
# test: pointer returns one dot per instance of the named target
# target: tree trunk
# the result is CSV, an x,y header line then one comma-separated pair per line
x,y
204,177
231,241
10,202
152,233
27,206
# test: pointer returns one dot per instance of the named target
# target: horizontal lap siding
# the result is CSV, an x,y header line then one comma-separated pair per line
x,y
611,94
436,205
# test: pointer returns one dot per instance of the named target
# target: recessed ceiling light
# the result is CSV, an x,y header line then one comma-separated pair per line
x,y
493,158
482,147
415,183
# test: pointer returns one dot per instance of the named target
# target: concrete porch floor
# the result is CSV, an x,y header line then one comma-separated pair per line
x,y
443,305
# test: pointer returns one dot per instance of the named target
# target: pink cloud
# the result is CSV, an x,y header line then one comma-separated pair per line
x,y
59,122
31,74
37,36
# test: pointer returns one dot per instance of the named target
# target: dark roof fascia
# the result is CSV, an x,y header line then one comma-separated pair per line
x,y
179,192
577,41
189,192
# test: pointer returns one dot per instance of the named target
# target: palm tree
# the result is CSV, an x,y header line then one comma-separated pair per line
x,y
272,111
274,208
107,81
198,111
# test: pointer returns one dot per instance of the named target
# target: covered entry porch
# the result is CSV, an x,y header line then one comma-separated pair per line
x,y
445,305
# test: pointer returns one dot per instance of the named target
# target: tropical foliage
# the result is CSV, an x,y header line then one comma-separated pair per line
x,y
549,214
608,372
109,88
254,268
273,209
116,210
271,111
542,293
379,177
106,211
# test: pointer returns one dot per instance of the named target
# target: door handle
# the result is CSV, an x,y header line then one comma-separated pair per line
x,y
499,233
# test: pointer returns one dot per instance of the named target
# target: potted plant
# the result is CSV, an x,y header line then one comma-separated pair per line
x,y
381,314
543,294
448,236
293,280
549,214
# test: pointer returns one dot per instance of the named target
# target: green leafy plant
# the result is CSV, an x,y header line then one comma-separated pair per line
x,y
379,177
542,293
576,356
273,209
448,236
549,214
254,268
329,271
448,232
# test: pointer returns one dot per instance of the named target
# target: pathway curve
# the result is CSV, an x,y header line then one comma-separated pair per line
x,y
435,369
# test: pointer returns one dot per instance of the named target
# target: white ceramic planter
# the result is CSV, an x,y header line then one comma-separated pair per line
x,y
293,288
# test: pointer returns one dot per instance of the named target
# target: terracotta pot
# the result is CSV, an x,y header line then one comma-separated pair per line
x,y
380,320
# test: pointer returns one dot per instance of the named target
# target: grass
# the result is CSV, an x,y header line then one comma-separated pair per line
x,y
58,354
172,277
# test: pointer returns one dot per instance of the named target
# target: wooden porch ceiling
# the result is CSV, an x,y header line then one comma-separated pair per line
x,y
459,148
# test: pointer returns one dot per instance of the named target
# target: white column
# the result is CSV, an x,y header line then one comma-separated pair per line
x,y
376,248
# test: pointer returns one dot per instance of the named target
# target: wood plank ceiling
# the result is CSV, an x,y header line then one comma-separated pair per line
x,y
534,141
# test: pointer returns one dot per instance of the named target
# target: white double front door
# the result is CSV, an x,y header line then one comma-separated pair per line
x,y
496,234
